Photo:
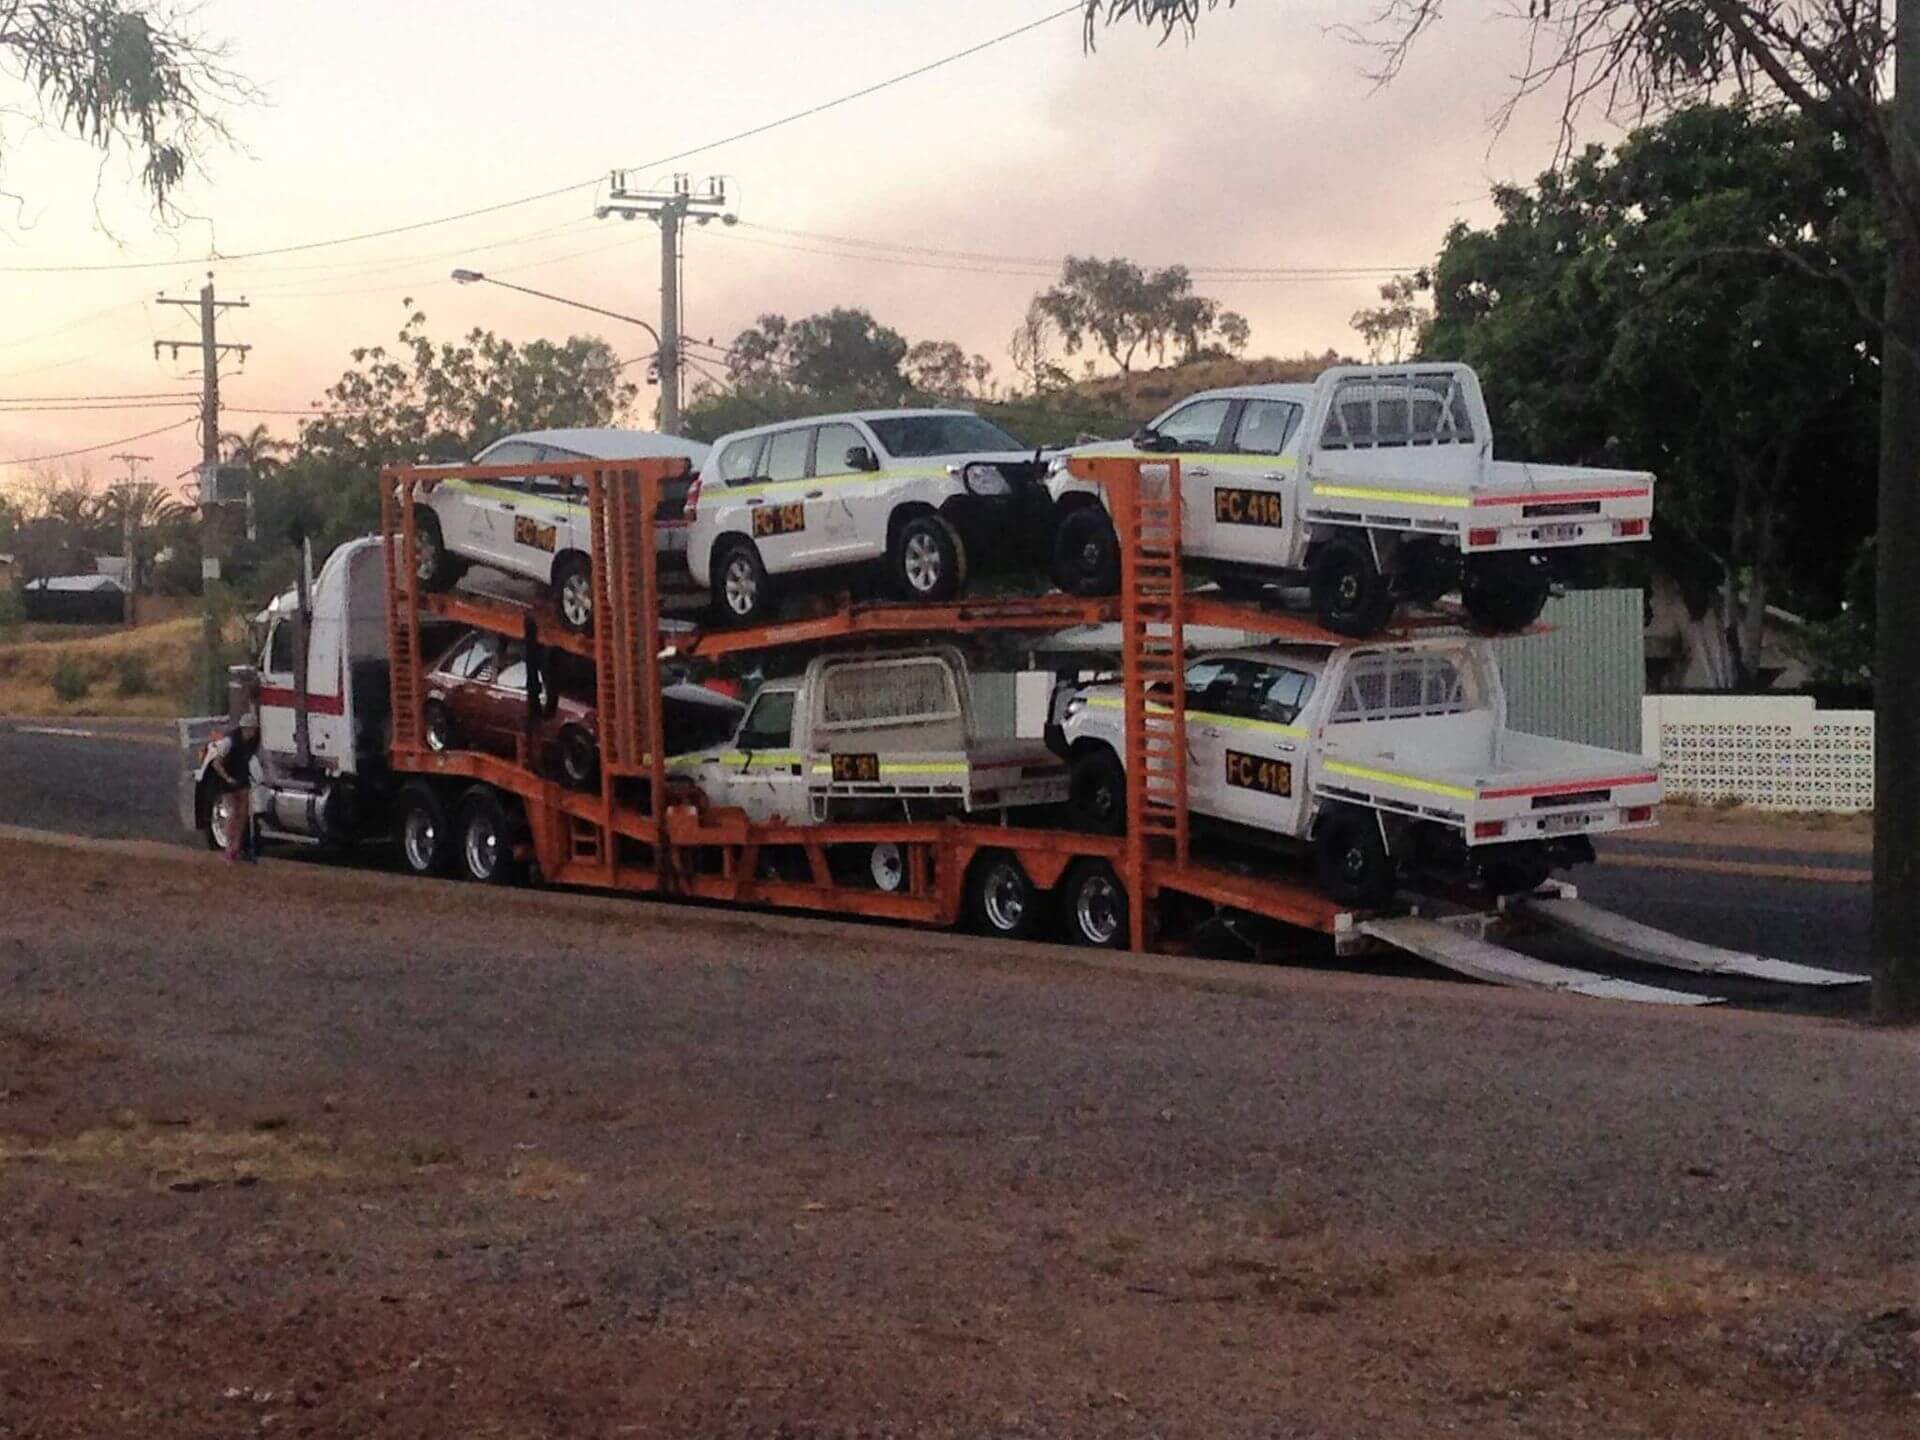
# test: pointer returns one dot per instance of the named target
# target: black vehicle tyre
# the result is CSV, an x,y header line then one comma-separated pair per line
x,y
486,839
213,825
1506,592
1353,863
426,839
1350,595
1097,793
742,590
573,592
926,561
1086,553
437,723
437,570
1096,906
1426,570
1001,899
579,758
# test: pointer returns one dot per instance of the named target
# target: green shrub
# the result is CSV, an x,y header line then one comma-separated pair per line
x,y
13,610
69,680
132,676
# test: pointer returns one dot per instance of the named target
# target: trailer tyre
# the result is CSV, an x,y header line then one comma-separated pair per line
x,y
1096,904
1001,899
926,561
1354,866
1097,792
742,592
1086,553
486,839
426,839
1506,592
1350,595
436,569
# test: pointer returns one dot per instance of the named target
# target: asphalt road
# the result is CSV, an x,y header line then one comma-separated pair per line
x,y
115,779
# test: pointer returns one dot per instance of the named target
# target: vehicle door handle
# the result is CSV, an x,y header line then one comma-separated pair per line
x,y
814,494
1272,475
756,500
1199,472
506,507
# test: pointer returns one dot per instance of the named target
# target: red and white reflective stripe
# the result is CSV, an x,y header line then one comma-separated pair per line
x,y
1569,787
1560,497
284,698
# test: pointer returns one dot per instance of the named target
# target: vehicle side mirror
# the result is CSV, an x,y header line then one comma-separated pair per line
x,y
1149,439
859,457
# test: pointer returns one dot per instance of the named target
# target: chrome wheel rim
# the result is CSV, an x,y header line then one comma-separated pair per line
x,y
1006,898
220,820
421,838
921,560
576,600
888,867
742,586
483,850
1097,908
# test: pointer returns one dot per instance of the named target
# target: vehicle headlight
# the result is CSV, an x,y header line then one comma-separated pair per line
x,y
986,480
1057,465
1075,704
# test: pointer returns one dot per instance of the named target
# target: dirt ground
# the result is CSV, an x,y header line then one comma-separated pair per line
x,y
293,1150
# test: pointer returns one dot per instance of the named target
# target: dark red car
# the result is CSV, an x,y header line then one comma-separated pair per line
x,y
477,700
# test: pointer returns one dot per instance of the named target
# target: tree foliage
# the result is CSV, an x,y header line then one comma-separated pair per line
x,y
1392,329
1120,309
121,75
58,522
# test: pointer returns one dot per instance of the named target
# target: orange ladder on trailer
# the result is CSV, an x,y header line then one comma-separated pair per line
x,y
1143,497
397,541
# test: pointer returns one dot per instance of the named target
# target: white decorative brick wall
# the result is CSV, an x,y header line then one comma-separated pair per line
x,y
1770,752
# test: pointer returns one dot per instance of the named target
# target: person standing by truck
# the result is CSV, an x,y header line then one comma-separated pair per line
x,y
231,762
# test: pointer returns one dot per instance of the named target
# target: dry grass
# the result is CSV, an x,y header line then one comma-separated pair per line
x,y
166,651
184,1157
1691,810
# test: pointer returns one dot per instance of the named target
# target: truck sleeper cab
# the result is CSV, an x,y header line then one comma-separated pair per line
x,y
927,496
1388,760
1374,485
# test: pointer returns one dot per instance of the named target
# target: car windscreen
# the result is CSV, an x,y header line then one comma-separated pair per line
x,y
918,436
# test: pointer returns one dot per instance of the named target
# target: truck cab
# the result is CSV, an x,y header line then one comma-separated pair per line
x,y
1374,485
1385,761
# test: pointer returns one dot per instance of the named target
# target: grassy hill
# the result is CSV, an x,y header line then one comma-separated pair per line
x,y
142,672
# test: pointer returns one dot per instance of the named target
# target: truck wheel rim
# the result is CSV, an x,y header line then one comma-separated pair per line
x,y
422,840
483,850
1006,898
888,867
576,603
922,561
1097,908
743,586
219,822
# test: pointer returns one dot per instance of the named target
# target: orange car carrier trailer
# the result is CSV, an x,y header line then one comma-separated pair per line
x,y
648,833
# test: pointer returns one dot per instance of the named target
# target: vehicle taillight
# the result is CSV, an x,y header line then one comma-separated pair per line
x,y
1635,814
1489,829
693,499
1483,537
1629,527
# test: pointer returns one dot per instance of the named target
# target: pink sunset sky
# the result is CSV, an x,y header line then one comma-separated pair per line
x,y
1259,143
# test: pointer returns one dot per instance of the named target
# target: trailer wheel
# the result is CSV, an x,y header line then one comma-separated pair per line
x,y
1097,792
1506,592
887,868
573,592
437,721
1350,595
426,840
925,561
1096,905
742,592
1355,868
486,838
1001,899
436,569
1086,553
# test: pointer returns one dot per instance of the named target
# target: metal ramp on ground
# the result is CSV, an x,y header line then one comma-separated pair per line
x,y
1635,941
1455,947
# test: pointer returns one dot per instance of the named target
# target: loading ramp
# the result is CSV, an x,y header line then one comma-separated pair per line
x,y
1454,945
1636,941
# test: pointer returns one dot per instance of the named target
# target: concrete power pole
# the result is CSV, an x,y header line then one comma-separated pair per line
x,y
134,462
670,210
213,537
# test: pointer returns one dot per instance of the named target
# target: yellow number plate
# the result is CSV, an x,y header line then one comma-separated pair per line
x,y
779,520
1233,506
1255,772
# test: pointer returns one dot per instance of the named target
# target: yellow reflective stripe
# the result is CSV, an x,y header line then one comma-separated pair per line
x,y
721,493
1387,777
908,767
738,759
524,501
1404,497
1230,722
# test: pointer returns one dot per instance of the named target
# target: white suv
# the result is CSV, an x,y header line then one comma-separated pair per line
x,y
536,526
926,494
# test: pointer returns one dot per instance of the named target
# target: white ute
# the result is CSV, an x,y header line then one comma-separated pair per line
x,y
536,526
1390,759
887,736
927,495
1374,484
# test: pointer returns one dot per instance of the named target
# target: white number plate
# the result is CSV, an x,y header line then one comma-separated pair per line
x,y
1557,534
1555,824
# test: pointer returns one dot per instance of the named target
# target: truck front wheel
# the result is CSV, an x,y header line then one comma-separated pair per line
x,y
1354,866
1507,591
426,840
1350,595
1086,553
1001,899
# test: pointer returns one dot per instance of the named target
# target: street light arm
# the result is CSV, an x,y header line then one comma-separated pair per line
x,y
469,277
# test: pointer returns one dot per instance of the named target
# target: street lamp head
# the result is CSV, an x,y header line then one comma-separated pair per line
x,y
467,277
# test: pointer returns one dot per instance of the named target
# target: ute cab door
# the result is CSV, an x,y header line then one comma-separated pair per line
x,y
768,778
1209,689
1254,499
1263,753
1192,434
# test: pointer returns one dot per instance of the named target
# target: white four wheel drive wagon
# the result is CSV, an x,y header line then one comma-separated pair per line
x,y
1376,484
923,495
536,526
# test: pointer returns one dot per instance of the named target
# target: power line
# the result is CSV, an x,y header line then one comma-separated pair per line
x,y
128,395
91,449
85,409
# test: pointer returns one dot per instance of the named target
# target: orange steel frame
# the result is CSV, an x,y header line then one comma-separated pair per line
x,y
675,843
